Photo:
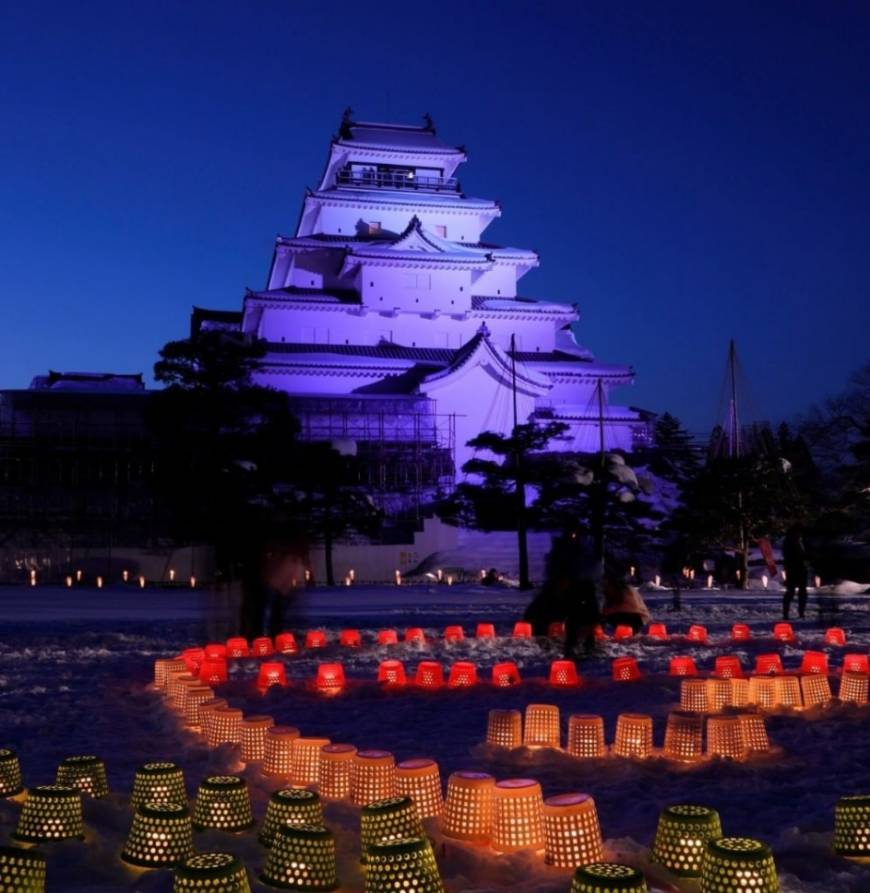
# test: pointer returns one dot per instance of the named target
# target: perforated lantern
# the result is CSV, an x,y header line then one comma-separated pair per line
x,y
388,637
788,692
541,726
518,815
856,663
607,877
564,673
684,735
852,826
211,873
391,674
402,866
468,807
330,679
392,818
86,774
556,630
783,632
622,632
262,647
11,784
657,631
754,732
625,669
238,647
415,634
373,776
336,765
291,806
835,636
161,782
739,693
634,732
586,736
738,865
505,674
485,631
853,688
429,675
727,666
463,674
420,779
740,632
278,750
285,643
224,726
194,695
315,638
522,630
693,696
302,858
160,836
572,835
814,662
271,673
682,835
682,666
816,690
504,728
697,633
725,737
768,665
206,711
175,684
50,812
213,671
21,870
350,638
215,651
718,694
193,658
163,666
223,802
764,692
306,760
453,634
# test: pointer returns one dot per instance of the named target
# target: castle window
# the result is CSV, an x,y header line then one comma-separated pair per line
x,y
440,230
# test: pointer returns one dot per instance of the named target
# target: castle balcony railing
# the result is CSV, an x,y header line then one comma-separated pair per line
x,y
397,180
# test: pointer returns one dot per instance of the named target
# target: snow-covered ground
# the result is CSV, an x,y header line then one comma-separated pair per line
x,y
75,668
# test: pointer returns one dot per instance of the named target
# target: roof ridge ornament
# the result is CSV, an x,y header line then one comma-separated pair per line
x,y
346,122
483,330
428,123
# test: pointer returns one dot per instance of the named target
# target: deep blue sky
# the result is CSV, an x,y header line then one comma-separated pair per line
x,y
688,171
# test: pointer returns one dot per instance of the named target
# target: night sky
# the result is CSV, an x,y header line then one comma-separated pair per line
x,y
688,172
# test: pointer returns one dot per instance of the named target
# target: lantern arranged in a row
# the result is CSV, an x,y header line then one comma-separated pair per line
x,y
608,877
737,864
83,773
50,812
336,769
160,782
21,870
504,728
223,802
211,872
402,866
253,732
11,782
541,726
161,835
572,833
278,750
373,776
302,857
852,826
305,763
392,818
518,815
420,779
468,807
682,835
291,806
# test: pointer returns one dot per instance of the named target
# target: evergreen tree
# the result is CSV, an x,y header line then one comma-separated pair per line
x,y
673,456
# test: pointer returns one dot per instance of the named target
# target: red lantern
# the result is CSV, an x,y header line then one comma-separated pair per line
x,y
728,667
697,633
740,632
193,658
625,669
453,634
315,638
564,673
599,633
388,637
238,647
768,665
556,630
505,674
657,631
463,674
622,632
391,673
835,636
814,662
271,673
350,638
485,631
856,663
262,647
415,634
783,632
429,675
330,679
285,643
215,652
682,666
522,630
213,671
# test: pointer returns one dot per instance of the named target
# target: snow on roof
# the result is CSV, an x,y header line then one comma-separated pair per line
x,y
106,382
395,136
409,198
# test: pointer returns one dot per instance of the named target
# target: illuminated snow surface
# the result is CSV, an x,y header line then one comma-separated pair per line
x,y
75,669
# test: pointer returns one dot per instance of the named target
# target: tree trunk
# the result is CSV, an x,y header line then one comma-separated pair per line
x,y
522,533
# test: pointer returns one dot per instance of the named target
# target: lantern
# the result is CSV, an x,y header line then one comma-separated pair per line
x,y
740,632
586,736
373,776
238,647
697,633
415,634
205,712
50,812
522,630
518,815
504,728
253,741
622,632
727,666
306,760
271,673
161,782
468,807
222,802
224,726
285,643
485,631
693,696
330,679
85,773
625,669
754,732
174,684
160,835
391,674
302,858
262,647
176,669
541,727
768,665
11,784
463,674
718,694
453,634
290,806
556,630
193,658
336,765
835,636
856,663
682,666
278,750
783,632
211,872
564,673
816,690
315,638
420,780
682,835
736,865
739,693
350,638
657,631
572,835
402,866
607,877
429,675
388,637
392,818
505,675
162,667
852,826
684,737
764,691
634,733
215,651
213,671
788,692
853,687
21,870
725,737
